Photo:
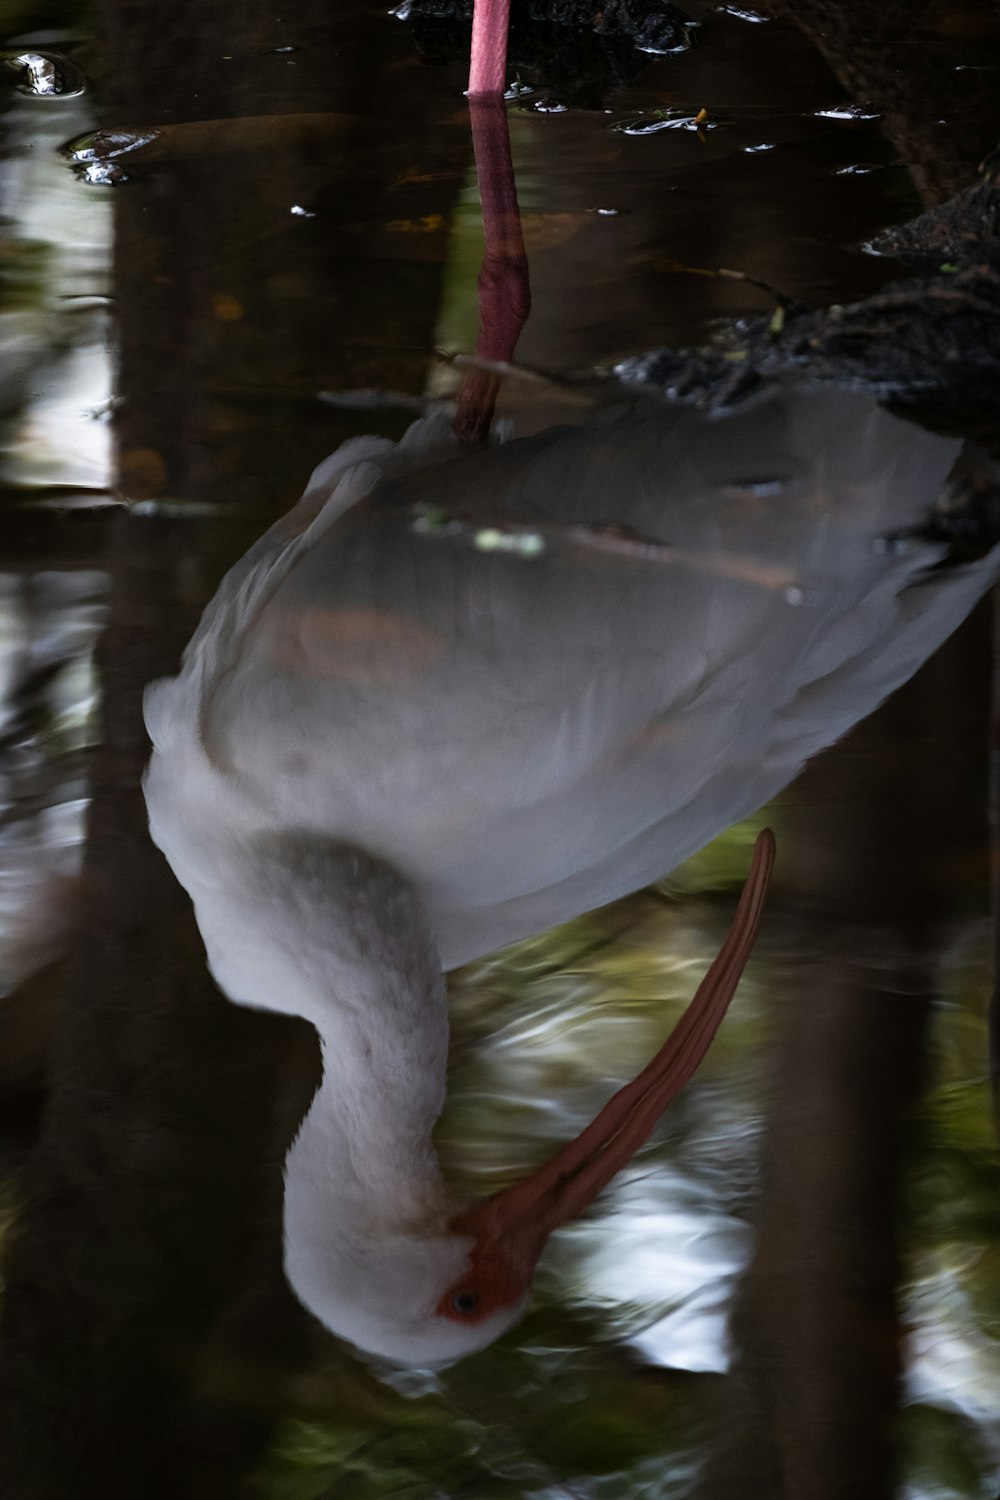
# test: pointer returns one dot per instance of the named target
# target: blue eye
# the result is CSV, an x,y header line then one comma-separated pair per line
x,y
465,1302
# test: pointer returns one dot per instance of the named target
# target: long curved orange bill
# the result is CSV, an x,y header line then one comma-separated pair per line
x,y
523,1216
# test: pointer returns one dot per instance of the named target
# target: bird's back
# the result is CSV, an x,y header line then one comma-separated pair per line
x,y
535,678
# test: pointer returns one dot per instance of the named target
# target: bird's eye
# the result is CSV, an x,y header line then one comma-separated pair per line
x,y
465,1302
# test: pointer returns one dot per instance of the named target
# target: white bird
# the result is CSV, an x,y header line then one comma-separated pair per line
x,y
452,699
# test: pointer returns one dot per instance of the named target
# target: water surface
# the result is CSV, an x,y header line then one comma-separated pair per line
x,y
792,1290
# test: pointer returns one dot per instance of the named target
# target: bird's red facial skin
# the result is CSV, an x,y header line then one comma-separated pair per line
x,y
494,1281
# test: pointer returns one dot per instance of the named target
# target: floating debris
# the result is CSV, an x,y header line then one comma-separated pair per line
x,y
523,543
510,537
666,42
96,156
529,541
102,173
669,119
48,75
741,14
848,112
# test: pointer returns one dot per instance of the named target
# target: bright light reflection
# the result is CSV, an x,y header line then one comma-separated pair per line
x,y
952,1363
57,378
64,436
651,1250
54,340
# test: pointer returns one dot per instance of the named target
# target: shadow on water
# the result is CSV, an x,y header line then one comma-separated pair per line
x,y
304,222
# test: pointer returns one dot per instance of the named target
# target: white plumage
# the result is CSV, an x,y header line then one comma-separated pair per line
x,y
452,699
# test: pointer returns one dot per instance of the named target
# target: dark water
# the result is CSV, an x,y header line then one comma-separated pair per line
x,y
792,1289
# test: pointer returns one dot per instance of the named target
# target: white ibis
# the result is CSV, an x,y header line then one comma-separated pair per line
x,y
454,698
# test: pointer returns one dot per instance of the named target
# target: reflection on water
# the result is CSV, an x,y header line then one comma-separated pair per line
x,y
48,698
730,1311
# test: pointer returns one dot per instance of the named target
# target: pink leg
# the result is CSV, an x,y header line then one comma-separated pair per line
x,y
504,294
488,63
